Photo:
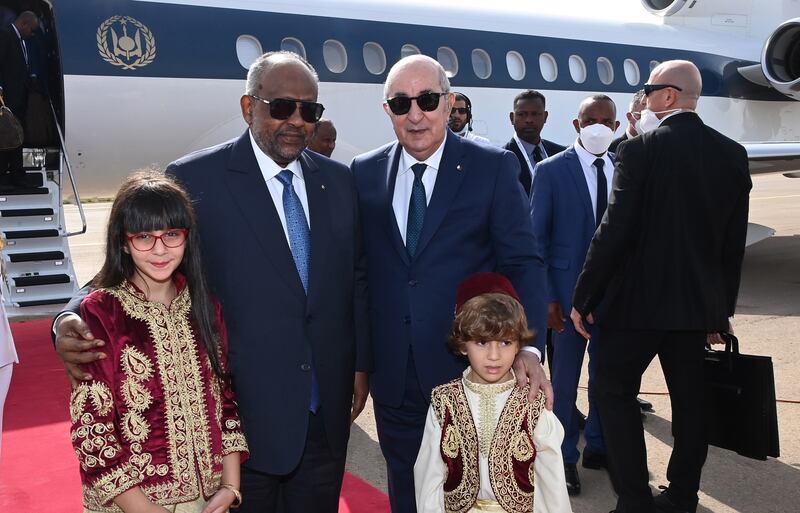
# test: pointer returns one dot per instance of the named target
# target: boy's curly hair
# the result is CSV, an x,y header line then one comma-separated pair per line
x,y
490,316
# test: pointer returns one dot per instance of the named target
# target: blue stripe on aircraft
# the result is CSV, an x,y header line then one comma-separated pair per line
x,y
200,42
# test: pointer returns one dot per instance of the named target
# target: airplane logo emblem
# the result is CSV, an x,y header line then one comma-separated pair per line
x,y
125,42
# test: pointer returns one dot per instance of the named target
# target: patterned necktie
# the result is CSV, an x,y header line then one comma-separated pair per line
x,y
602,191
537,154
416,209
300,244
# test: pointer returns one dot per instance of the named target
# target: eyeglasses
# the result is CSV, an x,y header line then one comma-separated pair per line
x,y
426,102
283,108
145,241
459,110
649,88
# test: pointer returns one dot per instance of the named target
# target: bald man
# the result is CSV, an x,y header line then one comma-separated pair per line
x,y
323,140
666,261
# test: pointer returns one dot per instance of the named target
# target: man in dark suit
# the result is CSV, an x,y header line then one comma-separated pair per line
x,y
435,208
666,261
282,246
636,106
15,83
528,119
570,195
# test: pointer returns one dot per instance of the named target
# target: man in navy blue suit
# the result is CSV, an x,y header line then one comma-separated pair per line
x,y
435,208
570,195
282,247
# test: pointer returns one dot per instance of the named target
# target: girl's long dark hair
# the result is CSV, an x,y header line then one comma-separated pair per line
x,y
150,201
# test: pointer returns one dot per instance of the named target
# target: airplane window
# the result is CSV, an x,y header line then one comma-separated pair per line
x,y
632,74
516,65
653,65
374,58
548,67
605,70
447,58
334,55
407,50
292,44
248,49
481,63
577,69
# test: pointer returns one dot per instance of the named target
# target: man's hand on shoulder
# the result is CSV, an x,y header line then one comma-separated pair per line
x,y
74,344
529,370
360,393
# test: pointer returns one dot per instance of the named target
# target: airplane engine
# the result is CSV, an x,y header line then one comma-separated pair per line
x,y
780,60
663,7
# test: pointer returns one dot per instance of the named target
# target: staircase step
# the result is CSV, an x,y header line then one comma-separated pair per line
x,y
30,234
36,257
41,302
23,212
21,191
42,279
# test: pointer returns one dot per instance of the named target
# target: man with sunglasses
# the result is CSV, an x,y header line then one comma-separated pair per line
x,y
636,106
282,249
435,208
461,119
667,259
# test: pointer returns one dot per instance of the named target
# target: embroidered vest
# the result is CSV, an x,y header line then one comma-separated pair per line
x,y
511,454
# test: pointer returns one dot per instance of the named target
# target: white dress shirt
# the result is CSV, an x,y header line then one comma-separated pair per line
x,y
405,182
590,173
269,169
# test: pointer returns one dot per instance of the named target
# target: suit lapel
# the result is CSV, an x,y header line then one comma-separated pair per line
x,y
576,171
448,181
320,214
388,166
246,185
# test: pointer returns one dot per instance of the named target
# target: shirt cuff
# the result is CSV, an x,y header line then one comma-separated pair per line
x,y
533,350
59,317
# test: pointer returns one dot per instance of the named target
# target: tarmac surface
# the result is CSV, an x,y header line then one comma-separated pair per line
x,y
767,323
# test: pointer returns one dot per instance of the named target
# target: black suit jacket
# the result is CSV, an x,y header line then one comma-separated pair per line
x,y
616,142
550,148
14,76
669,251
273,327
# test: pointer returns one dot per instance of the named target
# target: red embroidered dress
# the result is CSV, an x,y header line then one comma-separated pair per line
x,y
154,414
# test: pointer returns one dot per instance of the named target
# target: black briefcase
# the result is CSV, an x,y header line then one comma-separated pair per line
x,y
740,402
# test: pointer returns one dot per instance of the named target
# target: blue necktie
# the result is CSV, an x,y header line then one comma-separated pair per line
x,y
602,191
300,244
416,209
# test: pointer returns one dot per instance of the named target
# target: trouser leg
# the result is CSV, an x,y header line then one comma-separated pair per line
x,y
400,432
568,350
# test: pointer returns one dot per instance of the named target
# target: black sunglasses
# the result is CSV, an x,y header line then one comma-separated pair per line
x,y
426,102
283,108
649,88
459,110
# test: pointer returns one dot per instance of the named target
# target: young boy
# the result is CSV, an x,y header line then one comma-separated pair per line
x,y
485,447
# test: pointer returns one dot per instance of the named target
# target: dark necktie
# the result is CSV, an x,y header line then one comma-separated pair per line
x,y
537,154
300,244
602,191
416,209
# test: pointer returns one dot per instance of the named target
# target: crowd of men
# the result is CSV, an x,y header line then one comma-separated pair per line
x,y
626,251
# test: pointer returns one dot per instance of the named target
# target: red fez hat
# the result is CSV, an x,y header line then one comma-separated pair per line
x,y
483,283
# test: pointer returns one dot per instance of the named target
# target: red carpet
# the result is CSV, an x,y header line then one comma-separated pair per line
x,y
39,471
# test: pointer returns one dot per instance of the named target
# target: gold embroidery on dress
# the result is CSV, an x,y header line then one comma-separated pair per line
x,y
487,394
186,413
137,369
97,442
449,400
135,363
451,441
513,441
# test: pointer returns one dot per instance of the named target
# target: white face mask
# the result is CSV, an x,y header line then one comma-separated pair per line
x,y
648,120
596,138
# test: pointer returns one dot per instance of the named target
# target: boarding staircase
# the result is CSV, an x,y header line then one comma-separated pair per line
x,y
38,276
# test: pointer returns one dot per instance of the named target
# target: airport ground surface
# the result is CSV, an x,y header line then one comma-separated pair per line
x,y
767,323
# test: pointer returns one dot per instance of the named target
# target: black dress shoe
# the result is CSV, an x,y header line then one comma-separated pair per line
x,y
664,504
645,405
594,460
581,419
573,481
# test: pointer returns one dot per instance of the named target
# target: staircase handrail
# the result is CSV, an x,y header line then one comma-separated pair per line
x,y
65,160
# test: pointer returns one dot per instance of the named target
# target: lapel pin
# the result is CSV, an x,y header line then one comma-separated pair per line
x,y
323,187
458,167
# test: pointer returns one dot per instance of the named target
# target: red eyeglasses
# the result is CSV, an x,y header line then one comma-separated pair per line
x,y
145,241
